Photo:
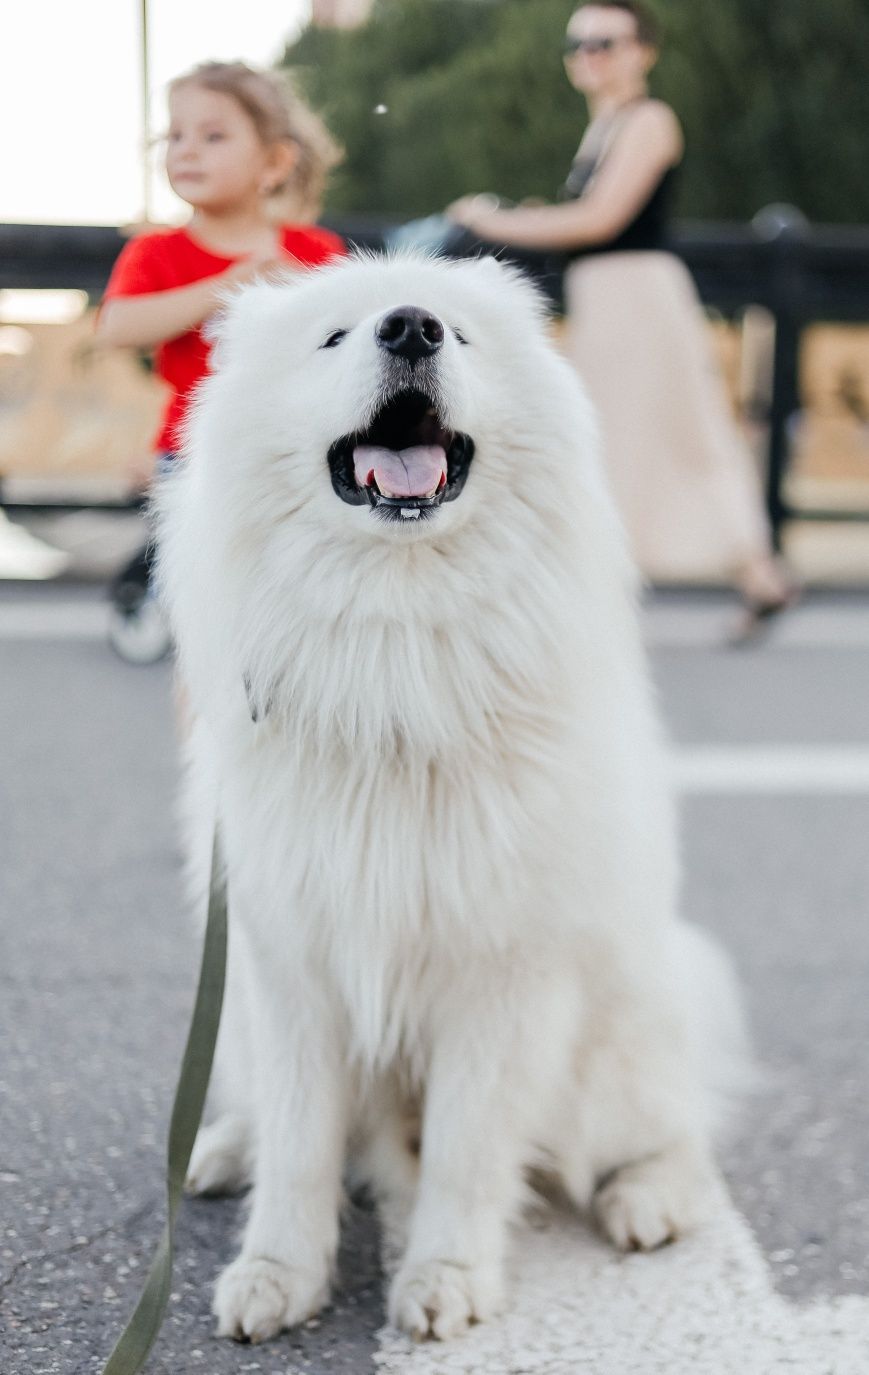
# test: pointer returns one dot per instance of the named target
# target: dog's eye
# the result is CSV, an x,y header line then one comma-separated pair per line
x,y
458,333
334,339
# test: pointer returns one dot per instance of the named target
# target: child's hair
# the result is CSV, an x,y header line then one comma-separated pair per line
x,y
648,28
279,115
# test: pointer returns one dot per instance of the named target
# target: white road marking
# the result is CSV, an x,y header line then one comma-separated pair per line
x,y
786,769
53,620
697,770
665,627
705,1306
710,627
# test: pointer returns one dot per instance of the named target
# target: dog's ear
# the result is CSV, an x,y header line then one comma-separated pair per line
x,y
506,271
508,277
490,264
213,331
238,307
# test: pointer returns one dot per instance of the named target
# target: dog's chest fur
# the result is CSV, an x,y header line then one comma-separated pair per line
x,y
389,872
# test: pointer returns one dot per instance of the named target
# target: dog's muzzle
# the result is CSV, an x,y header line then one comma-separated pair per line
x,y
407,461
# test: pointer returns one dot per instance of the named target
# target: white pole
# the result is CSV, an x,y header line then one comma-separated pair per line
x,y
146,114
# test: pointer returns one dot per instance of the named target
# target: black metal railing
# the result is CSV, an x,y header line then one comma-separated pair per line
x,y
800,273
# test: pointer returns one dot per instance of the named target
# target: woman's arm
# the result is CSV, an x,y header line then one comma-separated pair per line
x,y
650,142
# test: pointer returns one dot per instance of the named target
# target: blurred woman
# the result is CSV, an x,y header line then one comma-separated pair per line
x,y
681,474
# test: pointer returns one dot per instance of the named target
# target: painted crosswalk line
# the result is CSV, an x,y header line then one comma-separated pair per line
x,y
705,1306
783,769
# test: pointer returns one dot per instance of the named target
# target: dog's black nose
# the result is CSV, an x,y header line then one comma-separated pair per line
x,y
409,332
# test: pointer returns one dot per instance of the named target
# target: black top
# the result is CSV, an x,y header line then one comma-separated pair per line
x,y
646,231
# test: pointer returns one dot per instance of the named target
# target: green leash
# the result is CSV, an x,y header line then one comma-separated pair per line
x,y
137,1338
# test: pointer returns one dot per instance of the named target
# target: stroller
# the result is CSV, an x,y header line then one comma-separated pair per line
x,y
138,632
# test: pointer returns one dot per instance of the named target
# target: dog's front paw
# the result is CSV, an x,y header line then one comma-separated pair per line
x,y
440,1298
256,1298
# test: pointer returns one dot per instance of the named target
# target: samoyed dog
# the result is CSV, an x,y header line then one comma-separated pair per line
x,y
406,621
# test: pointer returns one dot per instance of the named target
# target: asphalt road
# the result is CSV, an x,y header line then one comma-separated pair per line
x,y
97,970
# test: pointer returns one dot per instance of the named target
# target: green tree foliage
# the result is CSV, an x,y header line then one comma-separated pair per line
x,y
475,99
775,102
772,93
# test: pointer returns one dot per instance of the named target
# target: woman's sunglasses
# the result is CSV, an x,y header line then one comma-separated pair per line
x,y
593,45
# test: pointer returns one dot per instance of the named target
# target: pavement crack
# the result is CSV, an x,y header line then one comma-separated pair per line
x,y
141,1211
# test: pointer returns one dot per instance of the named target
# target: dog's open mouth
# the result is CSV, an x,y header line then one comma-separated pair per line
x,y
405,464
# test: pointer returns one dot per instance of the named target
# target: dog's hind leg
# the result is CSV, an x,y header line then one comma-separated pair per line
x,y
386,1160
223,1154
222,1157
653,1201
651,1093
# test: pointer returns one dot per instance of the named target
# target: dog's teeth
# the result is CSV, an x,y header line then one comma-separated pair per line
x,y
410,514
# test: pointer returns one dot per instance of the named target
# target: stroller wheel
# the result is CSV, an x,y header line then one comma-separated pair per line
x,y
137,630
139,634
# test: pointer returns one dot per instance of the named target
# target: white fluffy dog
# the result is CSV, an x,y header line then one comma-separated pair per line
x,y
406,619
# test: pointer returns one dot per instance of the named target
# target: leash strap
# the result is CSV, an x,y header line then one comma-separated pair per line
x,y
135,1342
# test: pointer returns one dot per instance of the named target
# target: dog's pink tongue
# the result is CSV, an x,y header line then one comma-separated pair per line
x,y
413,472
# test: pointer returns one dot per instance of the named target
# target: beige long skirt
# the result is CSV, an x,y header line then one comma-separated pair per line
x,y
680,471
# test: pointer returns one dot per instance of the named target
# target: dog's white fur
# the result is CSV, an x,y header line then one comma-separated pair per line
x,y
449,838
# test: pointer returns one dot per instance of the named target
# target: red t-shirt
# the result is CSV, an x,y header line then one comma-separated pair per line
x,y
162,261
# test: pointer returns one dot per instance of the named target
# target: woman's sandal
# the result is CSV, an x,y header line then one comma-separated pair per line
x,y
758,615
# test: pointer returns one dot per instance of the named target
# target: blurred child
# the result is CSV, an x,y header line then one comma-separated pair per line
x,y
251,161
